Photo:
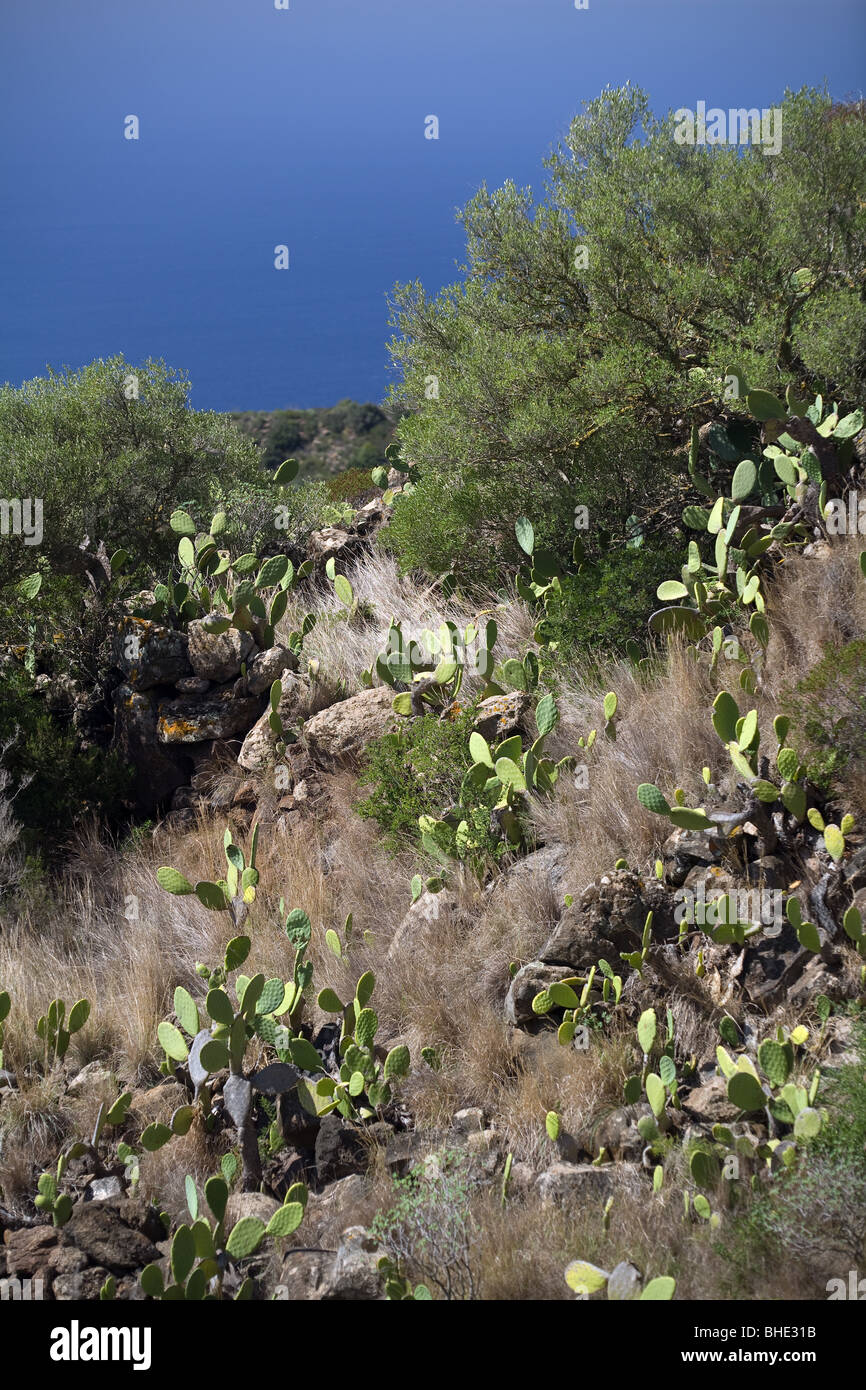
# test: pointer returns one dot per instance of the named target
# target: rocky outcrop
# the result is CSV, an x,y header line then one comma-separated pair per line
x,y
217,656
340,734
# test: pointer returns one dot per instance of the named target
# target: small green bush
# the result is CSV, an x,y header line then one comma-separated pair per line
x,y
828,708
56,782
419,771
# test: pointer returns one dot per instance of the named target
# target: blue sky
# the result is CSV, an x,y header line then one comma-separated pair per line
x,y
305,127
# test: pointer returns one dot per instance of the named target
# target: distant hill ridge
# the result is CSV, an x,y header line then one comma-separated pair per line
x,y
326,440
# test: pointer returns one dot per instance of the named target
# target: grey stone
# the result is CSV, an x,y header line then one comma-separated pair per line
x,y
269,666
429,914
624,1283
220,714
149,654
103,1189
217,656
340,733
530,980
468,1121
575,1182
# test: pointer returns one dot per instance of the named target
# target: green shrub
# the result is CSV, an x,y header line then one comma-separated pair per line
x,y
817,1209
611,609
828,709
419,771
56,782
353,485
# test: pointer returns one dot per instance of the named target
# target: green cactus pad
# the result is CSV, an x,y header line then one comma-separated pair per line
x,y
687,819
397,1063
774,1062
650,797
366,1028
646,1030
245,1237
746,1092
704,1169
171,1039
285,1221
656,1094
173,882
584,1278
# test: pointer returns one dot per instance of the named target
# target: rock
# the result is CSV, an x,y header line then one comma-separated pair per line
x,y
685,848
28,1250
339,1150
217,656
772,966
487,1150
408,1150
572,1182
339,1202
818,977
103,1190
297,1127
304,1275
80,1287
158,1103
65,1259
158,771
192,685
221,714
468,1121
341,733
547,866
617,1133
528,982
269,666
93,1077
769,872
354,1275
243,1204
370,517
259,746
624,1283
429,915
608,918
523,1175
333,541
149,654
500,716
119,1235
709,1104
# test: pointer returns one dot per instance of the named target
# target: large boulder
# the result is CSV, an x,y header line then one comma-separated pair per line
x,y
500,716
339,1150
269,666
429,914
578,1182
219,714
259,748
217,656
117,1235
530,980
341,733
609,918
149,654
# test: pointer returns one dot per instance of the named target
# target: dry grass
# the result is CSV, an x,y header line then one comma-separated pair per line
x,y
114,937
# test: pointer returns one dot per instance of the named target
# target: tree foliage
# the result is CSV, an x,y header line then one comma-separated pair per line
x,y
535,384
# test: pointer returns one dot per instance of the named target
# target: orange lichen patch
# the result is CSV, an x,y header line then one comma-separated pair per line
x,y
175,730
